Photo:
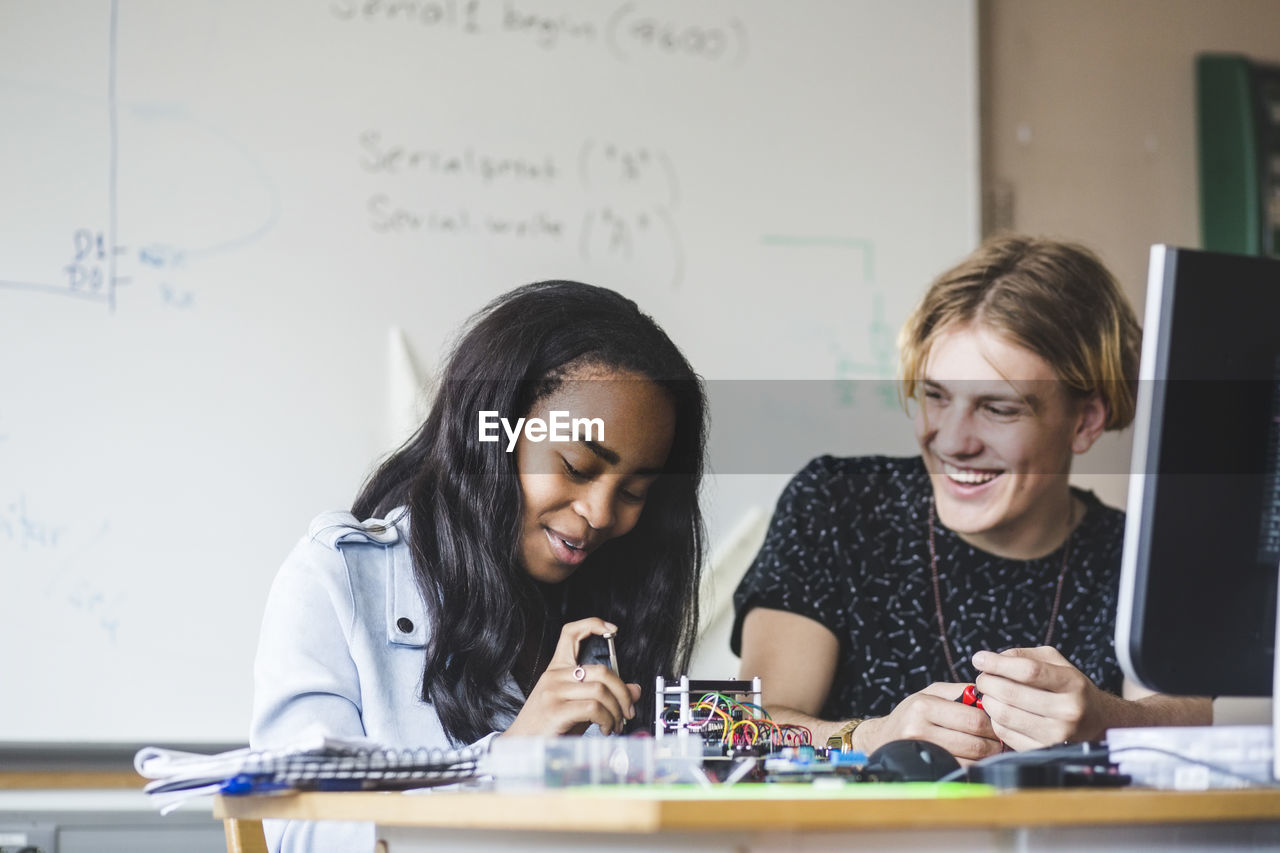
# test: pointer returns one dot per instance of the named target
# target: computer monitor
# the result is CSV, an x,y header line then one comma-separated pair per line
x,y
1197,605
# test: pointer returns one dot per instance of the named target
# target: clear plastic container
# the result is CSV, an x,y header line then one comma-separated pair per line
x,y
561,762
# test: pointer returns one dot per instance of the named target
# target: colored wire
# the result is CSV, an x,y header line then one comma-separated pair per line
x,y
774,732
720,697
800,733
701,724
739,717
749,739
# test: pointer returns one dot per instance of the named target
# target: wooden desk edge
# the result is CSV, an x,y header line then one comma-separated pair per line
x,y
558,811
70,779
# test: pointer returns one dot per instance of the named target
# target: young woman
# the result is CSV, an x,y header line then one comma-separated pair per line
x,y
886,586
448,606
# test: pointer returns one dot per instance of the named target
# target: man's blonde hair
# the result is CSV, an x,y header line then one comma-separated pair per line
x,y
1055,299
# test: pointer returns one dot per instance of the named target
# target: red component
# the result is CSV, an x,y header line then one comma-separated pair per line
x,y
971,696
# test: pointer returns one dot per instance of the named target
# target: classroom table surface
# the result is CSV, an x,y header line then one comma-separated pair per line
x,y
76,778
639,809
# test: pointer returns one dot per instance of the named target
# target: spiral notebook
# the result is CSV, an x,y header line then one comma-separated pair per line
x,y
319,763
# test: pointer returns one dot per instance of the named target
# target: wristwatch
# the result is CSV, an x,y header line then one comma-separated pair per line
x,y
842,738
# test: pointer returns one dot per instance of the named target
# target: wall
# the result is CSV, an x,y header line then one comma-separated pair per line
x,y
1088,133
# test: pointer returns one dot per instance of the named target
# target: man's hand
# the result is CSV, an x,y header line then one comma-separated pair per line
x,y
1036,697
934,715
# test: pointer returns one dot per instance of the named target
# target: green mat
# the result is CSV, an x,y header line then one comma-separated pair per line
x,y
787,791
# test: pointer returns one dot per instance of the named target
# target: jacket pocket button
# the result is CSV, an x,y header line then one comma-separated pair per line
x,y
405,625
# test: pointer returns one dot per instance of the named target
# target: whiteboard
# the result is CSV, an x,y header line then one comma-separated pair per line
x,y
216,213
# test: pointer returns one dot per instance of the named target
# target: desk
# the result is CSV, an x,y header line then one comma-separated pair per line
x,y
77,807
782,819
99,780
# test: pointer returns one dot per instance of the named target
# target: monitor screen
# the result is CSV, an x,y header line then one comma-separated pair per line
x,y
1202,540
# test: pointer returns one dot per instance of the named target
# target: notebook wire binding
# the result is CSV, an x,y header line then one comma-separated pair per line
x,y
319,764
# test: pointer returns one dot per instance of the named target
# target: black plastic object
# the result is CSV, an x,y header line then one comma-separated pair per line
x,y
910,761
1076,765
594,649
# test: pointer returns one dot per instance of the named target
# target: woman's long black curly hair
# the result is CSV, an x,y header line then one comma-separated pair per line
x,y
465,504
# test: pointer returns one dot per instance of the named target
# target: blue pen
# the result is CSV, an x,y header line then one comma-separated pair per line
x,y
247,783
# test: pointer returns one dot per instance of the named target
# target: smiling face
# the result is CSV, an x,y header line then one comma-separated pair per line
x,y
580,494
997,430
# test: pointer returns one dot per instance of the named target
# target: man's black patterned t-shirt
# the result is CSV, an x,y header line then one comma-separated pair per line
x,y
848,547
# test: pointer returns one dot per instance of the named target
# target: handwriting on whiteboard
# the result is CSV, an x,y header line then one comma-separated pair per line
x,y
607,201
57,551
627,31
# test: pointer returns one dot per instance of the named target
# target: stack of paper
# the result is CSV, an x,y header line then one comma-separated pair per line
x,y
317,763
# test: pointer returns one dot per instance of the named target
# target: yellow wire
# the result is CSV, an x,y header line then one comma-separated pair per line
x,y
728,721
755,735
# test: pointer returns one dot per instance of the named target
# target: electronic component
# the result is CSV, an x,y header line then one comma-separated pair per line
x,y
971,696
728,716
809,764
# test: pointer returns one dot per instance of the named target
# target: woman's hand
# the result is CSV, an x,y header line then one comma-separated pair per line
x,y
934,715
1036,697
569,697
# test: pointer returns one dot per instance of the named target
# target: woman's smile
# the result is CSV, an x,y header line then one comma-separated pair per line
x,y
578,495
568,551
